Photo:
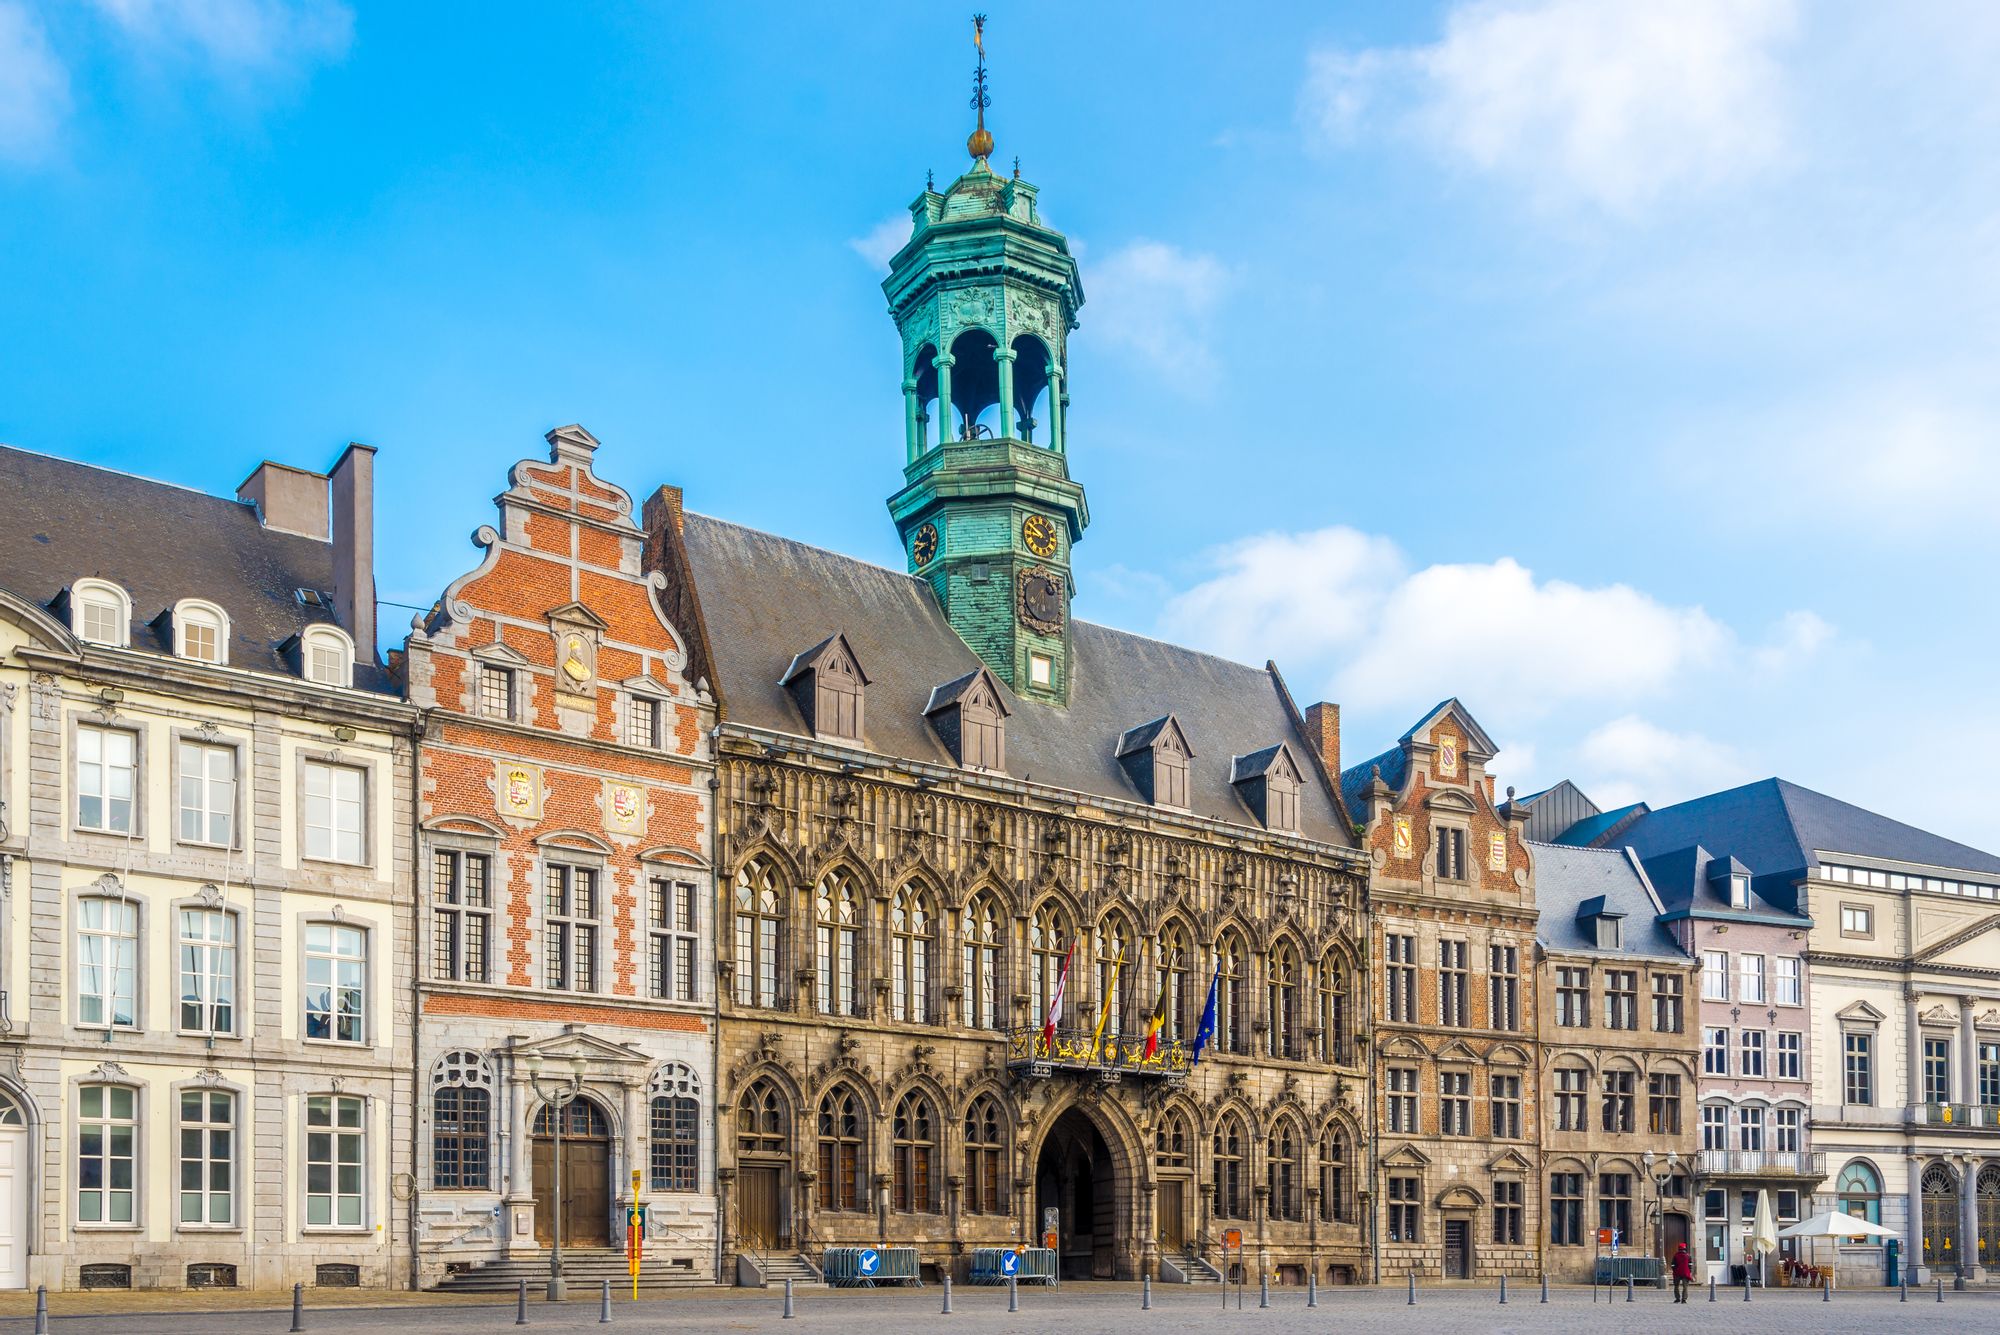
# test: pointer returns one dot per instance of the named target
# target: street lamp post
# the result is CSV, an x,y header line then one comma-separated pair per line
x,y
557,1097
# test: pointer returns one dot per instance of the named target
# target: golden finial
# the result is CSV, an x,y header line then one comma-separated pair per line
x,y
980,142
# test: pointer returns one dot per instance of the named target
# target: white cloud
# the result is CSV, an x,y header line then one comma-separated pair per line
x,y
242,34
1797,636
1347,603
1616,105
884,239
1630,760
1152,302
34,86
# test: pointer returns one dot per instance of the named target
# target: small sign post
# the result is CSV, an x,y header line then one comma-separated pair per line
x,y
1232,1237
635,1234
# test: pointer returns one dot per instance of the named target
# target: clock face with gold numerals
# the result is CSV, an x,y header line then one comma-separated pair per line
x,y
924,546
1038,535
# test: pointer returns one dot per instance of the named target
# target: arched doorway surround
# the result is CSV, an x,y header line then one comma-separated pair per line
x,y
586,1175
1087,1171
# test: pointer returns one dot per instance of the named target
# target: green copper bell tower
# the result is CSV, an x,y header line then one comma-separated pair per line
x,y
985,296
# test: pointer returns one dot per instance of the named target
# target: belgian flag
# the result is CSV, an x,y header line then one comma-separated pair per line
x,y
1157,1020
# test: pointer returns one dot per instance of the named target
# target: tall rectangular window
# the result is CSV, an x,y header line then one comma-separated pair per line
x,y
1750,979
1785,1125
671,961
335,1140
1715,975
1937,1069
206,784
1402,978
1507,1212
207,1157
1663,1104
1566,1209
461,914
1619,1094
207,948
1790,980
1858,1068
107,962
106,1140
642,723
1506,1109
1791,1060
336,982
1454,1103
496,691
1667,1005
1715,1050
1570,1083
1504,987
1989,1075
1751,1046
1454,1010
1402,1100
1572,996
1614,1203
1750,1128
1714,1126
569,928
1450,860
333,812
1403,1209
107,776
1621,999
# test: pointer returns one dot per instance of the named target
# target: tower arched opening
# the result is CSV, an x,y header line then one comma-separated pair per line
x,y
975,385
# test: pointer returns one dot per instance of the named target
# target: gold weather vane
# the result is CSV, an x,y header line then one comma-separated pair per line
x,y
980,142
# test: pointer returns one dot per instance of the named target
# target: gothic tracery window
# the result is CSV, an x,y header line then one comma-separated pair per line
x,y
915,1130
1332,1010
759,915
910,928
979,933
763,1120
1048,945
1227,1174
840,1151
461,1122
837,944
1281,1170
985,1146
1173,964
1114,942
675,1146
1232,1021
1284,1038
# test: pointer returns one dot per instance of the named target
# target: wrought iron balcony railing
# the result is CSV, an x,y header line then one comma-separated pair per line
x,y
1030,1052
1984,1116
1743,1163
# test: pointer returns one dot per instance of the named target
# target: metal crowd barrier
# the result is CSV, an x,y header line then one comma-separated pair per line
x,y
1038,1266
841,1267
1638,1269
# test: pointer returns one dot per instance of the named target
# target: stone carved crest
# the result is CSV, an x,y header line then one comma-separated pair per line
x,y
210,896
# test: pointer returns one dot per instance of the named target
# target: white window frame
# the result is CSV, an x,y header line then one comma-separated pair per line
x,y
213,796
670,942
190,613
1715,975
1750,1043
94,737
335,1131
326,656
116,953
645,721
1794,1051
340,965
88,593
212,964
107,1123
319,812
206,1126
1710,1049
1752,980
1715,1126
1788,974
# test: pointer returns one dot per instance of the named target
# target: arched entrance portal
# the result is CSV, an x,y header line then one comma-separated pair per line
x,y
1077,1177
586,1175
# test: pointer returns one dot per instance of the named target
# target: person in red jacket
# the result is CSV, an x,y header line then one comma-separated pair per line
x,y
1683,1272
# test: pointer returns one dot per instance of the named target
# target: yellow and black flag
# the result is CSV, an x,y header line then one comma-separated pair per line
x,y
1157,1019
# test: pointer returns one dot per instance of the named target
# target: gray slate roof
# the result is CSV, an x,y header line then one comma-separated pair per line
x,y
1354,780
62,521
1567,879
765,598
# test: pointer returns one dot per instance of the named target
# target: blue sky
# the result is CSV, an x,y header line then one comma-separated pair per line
x,y
1625,370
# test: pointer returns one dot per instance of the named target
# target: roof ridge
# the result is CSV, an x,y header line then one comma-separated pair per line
x,y
120,472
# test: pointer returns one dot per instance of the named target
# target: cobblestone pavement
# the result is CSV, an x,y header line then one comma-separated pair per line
x,y
1076,1309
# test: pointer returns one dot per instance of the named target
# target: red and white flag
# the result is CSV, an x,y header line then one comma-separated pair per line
x,y
1056,1001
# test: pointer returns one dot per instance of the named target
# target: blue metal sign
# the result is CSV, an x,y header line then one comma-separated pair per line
x,y
871,1260
1010,1263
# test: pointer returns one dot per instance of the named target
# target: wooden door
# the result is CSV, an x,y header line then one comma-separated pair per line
x,y
13,1217
585,1195
1457,1249
1673,1232
1173,1217
759,1210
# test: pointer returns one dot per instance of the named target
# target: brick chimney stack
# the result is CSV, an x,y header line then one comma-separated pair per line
x,y
1323,733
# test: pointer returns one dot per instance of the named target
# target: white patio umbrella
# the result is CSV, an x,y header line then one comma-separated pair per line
x,y
1837,1224
1764,1229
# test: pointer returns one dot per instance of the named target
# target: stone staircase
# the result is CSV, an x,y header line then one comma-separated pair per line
x,y
585,1268
1187,1269
772,1269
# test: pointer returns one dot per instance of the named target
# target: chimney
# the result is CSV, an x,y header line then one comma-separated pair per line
x,y
353,485
291,500
1323,734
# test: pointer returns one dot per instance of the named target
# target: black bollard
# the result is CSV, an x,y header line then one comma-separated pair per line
x,y
1746,1284
1545,1286
298,1309
1503,1290
604,1306
1628,1288
1013,1295
946,1309
42,1311
1145,1293
788,1301
521,1306
1905,1295
1711,1288
1940,1280
1826,1289
1312,1288
1263,1289
1413,1288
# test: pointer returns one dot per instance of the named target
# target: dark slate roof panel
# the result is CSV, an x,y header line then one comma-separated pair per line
x,y
763,596
1592,830
62,521
1566,879
1354,780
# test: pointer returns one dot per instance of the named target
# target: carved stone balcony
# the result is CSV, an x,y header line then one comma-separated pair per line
x,y
1076,1051
1760,1163
1958,1116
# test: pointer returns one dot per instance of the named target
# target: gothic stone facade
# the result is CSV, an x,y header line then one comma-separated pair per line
x,y
1452,914
567,923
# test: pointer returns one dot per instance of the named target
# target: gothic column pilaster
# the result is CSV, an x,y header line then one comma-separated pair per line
x,y
1057,425
1914,1247
913,441
944,363
1004,357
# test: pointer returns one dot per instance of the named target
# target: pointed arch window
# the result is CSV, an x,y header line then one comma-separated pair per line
x,y
1284,1037
915,1129
1230,1144
840,1151
461,1122
1232,1021
1333,1176
1049,939
1113,948
911,929
763,1120
759,915
985,1147
1172,1142
837,944
1332,1011
979,933
675,1146
1172,967
1281,1171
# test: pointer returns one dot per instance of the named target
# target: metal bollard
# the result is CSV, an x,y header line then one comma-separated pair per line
x,y
604,1306
1905,1296
1746,1284
1263,1289
1545,1286
1312,1288
1503,1290
1628,1288
1413,1288
788,1301
1711,1288
946,1309
1826,1289
1145,1293
1940,1288
1013,1295
521,1306
298,1309
42,1311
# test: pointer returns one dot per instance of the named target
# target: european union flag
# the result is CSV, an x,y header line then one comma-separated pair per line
x,y
1204,1033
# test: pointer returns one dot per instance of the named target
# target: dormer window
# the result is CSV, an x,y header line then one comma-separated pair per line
x,y
1730,881
971,718
201,632
827,684
1739,891
1601,925
326,656
1155,756
1269,783
101,613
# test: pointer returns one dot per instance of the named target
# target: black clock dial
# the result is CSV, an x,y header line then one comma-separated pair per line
x,y
1038,535
924,546
1042,598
